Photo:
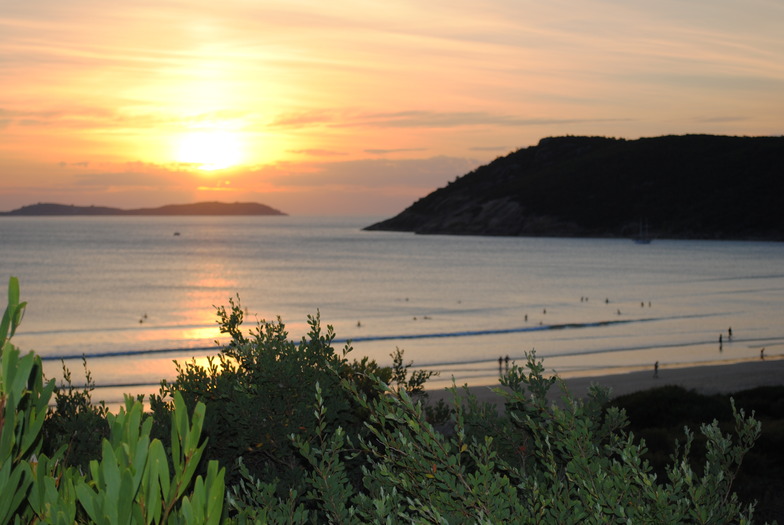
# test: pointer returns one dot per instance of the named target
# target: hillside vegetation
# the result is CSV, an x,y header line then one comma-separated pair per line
x,y
692,186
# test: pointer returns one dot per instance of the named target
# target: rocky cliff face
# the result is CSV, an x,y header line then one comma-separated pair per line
x,y
692,186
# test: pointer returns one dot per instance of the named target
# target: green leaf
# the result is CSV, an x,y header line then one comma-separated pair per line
x,y
125,498
14,482
22,369
179,429
216,492
198,500
32,432
89,499
139,460
13,291
16,317
184,477
197,421
187,511
10,313
156,483
109,471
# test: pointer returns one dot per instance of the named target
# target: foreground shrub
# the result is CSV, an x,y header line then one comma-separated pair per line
x,y
576,464
75,422
135,480
132,481
259,392
760,477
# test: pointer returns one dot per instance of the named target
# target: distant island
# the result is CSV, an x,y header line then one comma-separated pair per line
x,y
678,187
199,208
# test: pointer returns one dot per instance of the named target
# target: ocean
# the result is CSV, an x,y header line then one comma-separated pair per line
x,y
133,294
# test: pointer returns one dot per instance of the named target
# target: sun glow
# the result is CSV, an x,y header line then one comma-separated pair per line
x,y
209,150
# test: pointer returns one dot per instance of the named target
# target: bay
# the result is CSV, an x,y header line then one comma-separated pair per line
x,y
132,294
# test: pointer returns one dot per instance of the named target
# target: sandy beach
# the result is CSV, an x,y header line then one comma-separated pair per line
x,y
706,379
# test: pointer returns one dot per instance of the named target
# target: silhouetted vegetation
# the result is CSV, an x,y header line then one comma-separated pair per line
x,y
259,391
75,422
693,186
660,415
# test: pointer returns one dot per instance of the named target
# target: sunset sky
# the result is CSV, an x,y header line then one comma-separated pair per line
x,y
350,107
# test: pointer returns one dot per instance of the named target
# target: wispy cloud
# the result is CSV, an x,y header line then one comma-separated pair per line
x,y
88,117
318,152
297,188
720,119
395,150
303,118
423,119
489,148
427,173
431,119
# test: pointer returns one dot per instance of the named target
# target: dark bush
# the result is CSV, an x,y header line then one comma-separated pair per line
x,y
75,422
259,392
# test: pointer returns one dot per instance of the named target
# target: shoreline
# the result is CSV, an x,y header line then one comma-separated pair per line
x,y
705,379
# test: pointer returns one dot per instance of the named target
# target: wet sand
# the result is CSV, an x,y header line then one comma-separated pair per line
x,y
706,379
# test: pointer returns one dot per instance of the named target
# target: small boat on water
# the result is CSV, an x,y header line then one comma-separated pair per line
x,y
644,236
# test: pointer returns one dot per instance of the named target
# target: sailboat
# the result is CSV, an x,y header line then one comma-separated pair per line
x,y
644,237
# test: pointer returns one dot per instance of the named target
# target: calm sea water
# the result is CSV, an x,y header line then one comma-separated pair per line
x,y
132,296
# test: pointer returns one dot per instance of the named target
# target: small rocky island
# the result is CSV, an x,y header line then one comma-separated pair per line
x,y
199,208
690,186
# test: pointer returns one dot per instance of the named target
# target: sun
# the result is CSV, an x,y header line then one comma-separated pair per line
x,y
209,150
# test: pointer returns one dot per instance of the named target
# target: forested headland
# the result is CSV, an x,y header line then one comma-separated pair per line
x,y
680,187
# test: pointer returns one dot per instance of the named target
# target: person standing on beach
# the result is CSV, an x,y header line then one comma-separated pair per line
x,y
656,369
762,353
